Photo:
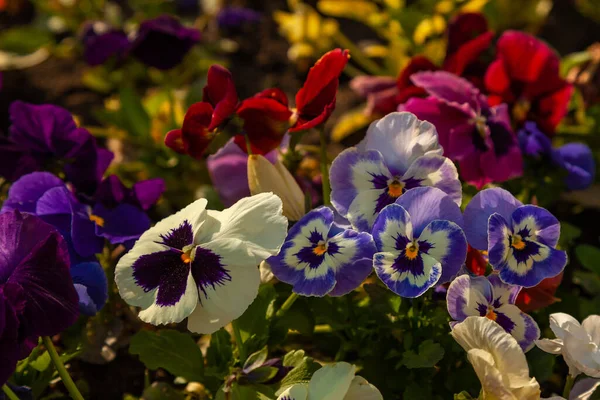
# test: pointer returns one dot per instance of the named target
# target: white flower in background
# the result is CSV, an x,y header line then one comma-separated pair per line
x,y
202,264
333,382
578,343
497,359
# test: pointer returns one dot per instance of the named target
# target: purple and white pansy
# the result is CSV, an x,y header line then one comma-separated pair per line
x,y
520,239
419,241
202,264
320,257
489,297
398,153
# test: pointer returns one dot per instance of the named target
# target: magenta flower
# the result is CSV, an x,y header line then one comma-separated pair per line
x,y
471,132
37,296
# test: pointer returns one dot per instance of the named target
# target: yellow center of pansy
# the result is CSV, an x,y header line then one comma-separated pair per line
x,y
395,188
491,314
185,257
320,249
517,242
521,109
97,220
412,250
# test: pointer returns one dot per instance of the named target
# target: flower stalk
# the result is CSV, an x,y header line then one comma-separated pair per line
x,y
325,169
62,371
9,393
568,386
287,304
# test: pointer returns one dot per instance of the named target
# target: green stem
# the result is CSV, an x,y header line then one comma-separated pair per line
x,y
325,168
248,145
172,105
62,371
287,304
239,342
568,386
9,393
365,62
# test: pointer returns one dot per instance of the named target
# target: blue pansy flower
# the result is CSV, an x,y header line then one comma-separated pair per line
x,y
398,153
520,239
491,298
419,242
320,257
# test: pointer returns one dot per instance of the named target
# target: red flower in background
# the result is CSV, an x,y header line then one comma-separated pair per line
x,y
201,120
476,262
525,75
267,115
539,296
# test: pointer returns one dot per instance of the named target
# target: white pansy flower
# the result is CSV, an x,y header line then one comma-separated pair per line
x,y
498,360
578,343
202,264
333,382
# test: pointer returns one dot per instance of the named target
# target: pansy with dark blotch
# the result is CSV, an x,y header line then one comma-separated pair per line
x,y
319,257
44,137
219,102
491,298
520,239
202,264
419,241
398,153
163,42
37,296
575,158
119,212
471,132
102,42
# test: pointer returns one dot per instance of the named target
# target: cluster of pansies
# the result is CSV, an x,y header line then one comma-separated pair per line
x,y
413,212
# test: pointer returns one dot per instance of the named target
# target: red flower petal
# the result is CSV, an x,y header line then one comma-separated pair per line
x,y
266,119
467,54
221,94
475,263
194,137
174,141
464,28
552,108
540,296
316,99
497,81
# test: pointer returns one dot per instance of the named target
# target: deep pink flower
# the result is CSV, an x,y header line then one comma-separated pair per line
x,y
525,75
471,132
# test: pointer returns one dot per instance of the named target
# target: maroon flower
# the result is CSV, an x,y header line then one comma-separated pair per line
x,y
202,119
525,75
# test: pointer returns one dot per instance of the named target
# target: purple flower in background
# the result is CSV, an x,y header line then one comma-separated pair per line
x,y
319,257
471,132
520,239
119,212
42,136
235,17
420,241
91,286
491,298
101,42
37,297
163,42
576,158
398,153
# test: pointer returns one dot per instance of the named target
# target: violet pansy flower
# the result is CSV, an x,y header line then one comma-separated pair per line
x,y
101,42
398,153
163,42
471,132
419,242
520,239
41,135
319,257
37,297
491,298
202,264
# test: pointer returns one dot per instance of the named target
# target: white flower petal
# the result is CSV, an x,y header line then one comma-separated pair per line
x,y
490,377
581,355
225,302
257,221
401,138
298,391
194,213
160,314
552,346
592,327
360,389
561,323
331,382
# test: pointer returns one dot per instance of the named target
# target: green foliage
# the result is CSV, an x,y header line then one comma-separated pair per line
x,y
171,350
304,368
219,354
589,257
161,391
24,39
428,355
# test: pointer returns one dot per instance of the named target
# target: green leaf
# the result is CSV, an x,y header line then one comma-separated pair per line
x,y
255,320
589,257
301,373
257,359
430,353
161,391
24,40
262,374
414,391
171,350
540,363
237,392
464,395
42,362
135,117
299,318
568,234
219,354
293,358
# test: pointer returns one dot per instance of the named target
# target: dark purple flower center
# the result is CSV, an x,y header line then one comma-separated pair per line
x,y
314,254
410,258
169,270
491,312
392,188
